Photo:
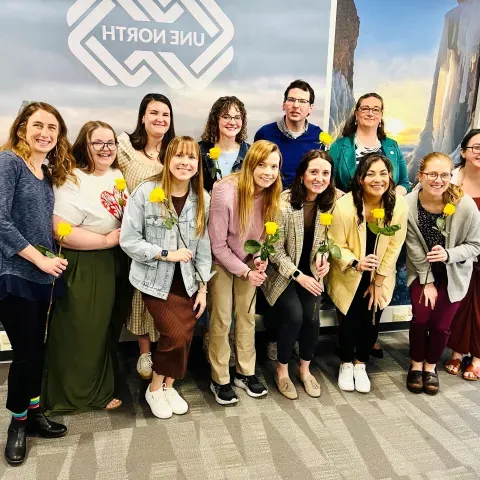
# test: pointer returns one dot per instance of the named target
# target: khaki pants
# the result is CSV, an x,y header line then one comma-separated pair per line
x,y
229,293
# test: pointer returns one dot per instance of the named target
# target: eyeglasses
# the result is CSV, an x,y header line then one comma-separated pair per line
x,y
434,175
301,101
374,110
99,146
229,118
475,148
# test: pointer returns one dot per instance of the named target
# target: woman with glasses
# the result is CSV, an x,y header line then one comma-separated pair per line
x,y
140,156
465,330
443,239
82,366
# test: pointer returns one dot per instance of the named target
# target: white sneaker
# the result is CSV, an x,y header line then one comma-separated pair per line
x,y
362,382
345,377
144,366
272,350
177,403
158,403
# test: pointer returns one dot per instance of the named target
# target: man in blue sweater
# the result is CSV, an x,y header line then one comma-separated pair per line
x,y
293,134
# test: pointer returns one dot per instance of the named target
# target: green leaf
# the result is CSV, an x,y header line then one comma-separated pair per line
x,y
252,246
168,223
271,249
264,255
440,223
336,252
50,254
374,228
323,248
43,250
444,233
274,238
331,242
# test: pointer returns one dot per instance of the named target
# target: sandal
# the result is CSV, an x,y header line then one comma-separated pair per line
x,y
453,366
471,369
113,404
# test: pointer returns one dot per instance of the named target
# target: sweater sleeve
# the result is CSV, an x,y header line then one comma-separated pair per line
x,y
281,259
416,253
11,240
339,234
124,151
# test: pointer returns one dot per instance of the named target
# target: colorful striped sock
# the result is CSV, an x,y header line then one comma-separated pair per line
x,y
34,403
20,416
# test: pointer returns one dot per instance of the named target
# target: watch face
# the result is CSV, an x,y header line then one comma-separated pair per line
x,y
164,253
296,274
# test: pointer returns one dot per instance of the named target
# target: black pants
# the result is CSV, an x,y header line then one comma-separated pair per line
x,y
294,316
357,334
24,322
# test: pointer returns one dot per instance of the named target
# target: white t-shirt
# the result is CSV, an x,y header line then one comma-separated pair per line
x,y
93,204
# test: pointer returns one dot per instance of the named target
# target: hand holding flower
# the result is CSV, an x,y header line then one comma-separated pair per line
x,y
260,264
437,254
256,278
322,265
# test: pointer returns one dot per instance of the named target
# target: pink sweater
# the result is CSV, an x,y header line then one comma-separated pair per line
x,y
224,227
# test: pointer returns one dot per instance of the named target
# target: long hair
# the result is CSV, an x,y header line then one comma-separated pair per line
x,y
388,197
81,151
211,132
138,138
256,154
350,126
298,193
464,144
184,145
60,159
453,193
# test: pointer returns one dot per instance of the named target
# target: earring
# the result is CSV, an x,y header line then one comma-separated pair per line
x,y
54,154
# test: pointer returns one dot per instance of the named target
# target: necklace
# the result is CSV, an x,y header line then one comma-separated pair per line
x,y
151,156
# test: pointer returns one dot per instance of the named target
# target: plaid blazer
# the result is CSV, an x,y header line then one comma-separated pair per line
x,y
288,249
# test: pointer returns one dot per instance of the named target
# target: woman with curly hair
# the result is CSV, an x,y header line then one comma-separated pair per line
x,y
363,279
38,135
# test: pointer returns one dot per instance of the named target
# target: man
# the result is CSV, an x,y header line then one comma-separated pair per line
x,y
293,134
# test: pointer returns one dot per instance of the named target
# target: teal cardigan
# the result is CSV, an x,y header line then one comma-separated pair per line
x,y
344,162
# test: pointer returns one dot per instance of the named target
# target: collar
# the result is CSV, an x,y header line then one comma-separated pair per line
x,y
282,126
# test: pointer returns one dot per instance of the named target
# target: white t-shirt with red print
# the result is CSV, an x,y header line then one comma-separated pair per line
x,y
93,204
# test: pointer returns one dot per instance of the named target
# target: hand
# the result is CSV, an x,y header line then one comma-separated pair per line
x,y
256,278
52,266
181,255
430,293
310,284
437,254
113,238
377,296
368,263
260,264
322,266
201,303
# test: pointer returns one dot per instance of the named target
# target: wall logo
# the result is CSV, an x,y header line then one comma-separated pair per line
x,y
155,13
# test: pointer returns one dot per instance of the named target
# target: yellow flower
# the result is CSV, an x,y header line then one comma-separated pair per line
x,y
325,138
121,184
214,153
157,195
449,209
64,229
271,228
326,218
378,213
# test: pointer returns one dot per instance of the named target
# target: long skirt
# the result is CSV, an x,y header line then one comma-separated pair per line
x,y
81,368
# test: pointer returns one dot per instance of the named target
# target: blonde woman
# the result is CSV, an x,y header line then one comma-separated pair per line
x,y
241,204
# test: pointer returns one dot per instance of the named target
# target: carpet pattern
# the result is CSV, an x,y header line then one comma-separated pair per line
x,y
387,434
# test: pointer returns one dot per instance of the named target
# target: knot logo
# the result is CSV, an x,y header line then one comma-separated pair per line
x,y
96,57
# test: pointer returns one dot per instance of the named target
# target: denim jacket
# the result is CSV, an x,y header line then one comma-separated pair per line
x,y
208,163
144,235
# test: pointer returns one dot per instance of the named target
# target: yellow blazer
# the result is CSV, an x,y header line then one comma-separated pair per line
x,y
343,280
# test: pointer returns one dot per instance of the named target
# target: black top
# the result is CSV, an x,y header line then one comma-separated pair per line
x,y
178,286
369,249
309,215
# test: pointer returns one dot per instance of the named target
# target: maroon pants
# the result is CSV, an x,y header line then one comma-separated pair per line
x,y
430,329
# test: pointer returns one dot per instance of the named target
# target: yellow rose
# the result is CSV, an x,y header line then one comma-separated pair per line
x,y
157,195
449,209
271,228
121,184
214,153
325,138
326,218
378,213
64,229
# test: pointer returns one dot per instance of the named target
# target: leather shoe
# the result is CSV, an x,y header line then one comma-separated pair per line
x,y
431,385
415,380
39,424
16,447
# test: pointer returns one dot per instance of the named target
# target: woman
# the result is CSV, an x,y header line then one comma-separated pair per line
x,y
37,135
82,365
140,156
465,330
439,265
171,264
362,281
241,204
294,275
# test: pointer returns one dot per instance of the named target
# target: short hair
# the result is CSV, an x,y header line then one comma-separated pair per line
x,y
302,85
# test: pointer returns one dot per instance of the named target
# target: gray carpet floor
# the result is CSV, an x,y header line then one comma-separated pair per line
x,y
386,434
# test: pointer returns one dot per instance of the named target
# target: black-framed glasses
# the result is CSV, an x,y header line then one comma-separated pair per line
x,y
446,177
301,101
99,146
229,118
475,148
374,110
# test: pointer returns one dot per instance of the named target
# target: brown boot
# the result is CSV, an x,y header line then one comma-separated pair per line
x,y
431,385
415,380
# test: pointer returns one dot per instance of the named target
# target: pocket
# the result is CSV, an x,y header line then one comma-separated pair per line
x,y
155,229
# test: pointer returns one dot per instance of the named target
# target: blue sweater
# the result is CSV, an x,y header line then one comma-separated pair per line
x,y
292,149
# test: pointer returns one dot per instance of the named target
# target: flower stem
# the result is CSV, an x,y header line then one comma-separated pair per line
x,y
51,298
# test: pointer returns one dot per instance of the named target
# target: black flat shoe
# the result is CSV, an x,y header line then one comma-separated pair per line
x,y
16,447
431,385
377,352
39,424
415,380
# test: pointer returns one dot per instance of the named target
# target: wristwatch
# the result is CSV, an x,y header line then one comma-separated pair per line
x,y
296,274
354,264
164,255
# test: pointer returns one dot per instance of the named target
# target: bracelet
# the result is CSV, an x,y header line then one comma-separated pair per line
x,y
203,291
249,272
379,285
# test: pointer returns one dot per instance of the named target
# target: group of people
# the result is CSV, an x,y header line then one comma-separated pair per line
x,y
151,229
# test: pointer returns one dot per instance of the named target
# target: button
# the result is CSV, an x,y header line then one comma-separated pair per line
x,y
391,152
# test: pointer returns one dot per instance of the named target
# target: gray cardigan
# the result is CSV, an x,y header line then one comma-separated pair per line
x,y
462,245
